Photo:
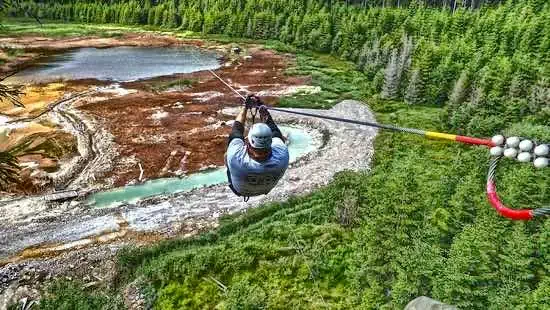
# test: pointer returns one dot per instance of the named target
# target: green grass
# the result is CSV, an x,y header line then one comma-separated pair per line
x,y
421,226
419,212
178,83
13,52
336,85
65,295
20,27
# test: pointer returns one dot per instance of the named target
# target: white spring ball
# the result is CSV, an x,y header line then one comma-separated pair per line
x,y
512,142
526,145
524,157
510,153
496,151
541,162
542,150
498,139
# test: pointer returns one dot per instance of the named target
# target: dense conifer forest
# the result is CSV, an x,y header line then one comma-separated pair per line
x,y
488,66
421,224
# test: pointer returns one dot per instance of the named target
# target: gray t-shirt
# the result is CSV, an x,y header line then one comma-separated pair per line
x,y
250,177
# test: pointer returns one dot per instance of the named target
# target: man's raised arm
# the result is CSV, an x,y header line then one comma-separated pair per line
x,y
266,118
237,132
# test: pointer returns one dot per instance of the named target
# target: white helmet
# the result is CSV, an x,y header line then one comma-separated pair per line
x,y
259,136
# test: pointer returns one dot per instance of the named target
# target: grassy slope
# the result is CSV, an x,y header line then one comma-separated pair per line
x,y
419,225
20,27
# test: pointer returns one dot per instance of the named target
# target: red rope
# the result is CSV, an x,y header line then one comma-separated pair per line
x,y
475,141
501,208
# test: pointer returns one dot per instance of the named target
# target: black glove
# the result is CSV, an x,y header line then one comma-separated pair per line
x,y
264,113
252,101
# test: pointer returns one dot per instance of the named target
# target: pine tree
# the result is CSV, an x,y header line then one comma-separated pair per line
x,y
459,90
325,39
337,43
144,13
105,15
471,273
391,78
232,28
262,22
195,20
518,86
415,93
515,263
151,16
405,56
286,35
279,23
171,18
157,21
425,65
209,24
415,270
363,56
539,298
374,58
250,28
539,97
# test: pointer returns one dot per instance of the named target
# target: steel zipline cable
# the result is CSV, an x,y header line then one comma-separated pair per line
x,y
523,150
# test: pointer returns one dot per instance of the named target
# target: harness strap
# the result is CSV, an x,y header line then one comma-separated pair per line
x,y
254,112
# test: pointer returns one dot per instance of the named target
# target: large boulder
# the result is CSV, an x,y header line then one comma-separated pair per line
x,y
426,303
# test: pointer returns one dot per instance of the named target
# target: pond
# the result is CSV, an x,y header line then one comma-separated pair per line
x,y
121,64
300,143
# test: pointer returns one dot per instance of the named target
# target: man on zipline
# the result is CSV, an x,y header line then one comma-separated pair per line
x,y
255,166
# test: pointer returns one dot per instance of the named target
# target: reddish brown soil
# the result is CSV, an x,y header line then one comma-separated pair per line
x,y
128,118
